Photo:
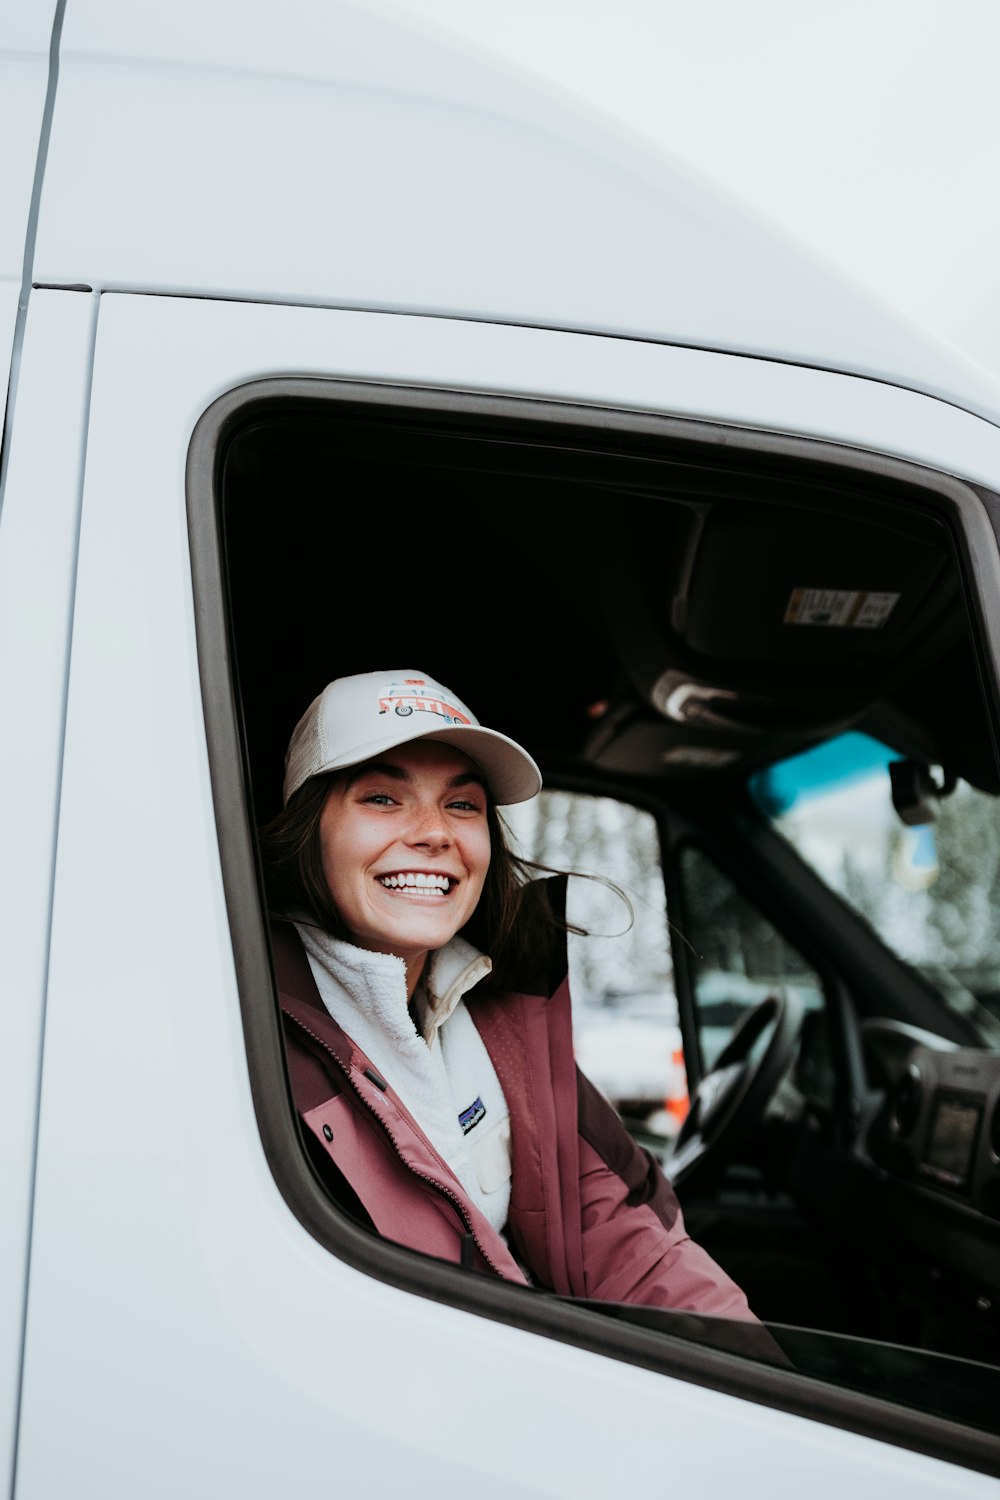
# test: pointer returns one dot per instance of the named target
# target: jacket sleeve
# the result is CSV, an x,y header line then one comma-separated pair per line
x,y
635,1246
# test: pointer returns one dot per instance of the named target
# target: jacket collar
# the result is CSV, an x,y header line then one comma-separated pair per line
x,y
373,985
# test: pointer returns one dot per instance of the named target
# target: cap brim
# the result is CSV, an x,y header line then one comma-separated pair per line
x,y
511,774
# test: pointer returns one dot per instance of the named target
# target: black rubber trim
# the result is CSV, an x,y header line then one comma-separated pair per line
x,y
529,1308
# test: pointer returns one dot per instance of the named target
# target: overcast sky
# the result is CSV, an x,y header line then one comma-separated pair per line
x,y
869,129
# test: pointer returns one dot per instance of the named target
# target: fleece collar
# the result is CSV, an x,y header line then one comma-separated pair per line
x,y
373,985
451,972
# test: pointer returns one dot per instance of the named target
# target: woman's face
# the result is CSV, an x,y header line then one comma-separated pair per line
x,y
405,848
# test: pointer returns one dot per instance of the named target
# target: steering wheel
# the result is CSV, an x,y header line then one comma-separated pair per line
x,y
731,1099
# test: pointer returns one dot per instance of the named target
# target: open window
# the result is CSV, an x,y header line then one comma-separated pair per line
x,y
661,618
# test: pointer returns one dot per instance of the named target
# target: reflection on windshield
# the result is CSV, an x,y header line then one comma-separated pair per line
x,y
931,892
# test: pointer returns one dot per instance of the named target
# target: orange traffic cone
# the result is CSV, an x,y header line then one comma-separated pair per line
x,y
677,1103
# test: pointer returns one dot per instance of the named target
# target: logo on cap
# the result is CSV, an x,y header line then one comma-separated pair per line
x,y
416,695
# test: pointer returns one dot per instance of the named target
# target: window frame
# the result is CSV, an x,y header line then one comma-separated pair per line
x,y
281,1136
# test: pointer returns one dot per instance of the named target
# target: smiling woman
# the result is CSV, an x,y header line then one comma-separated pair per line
x,y
405,850
423,980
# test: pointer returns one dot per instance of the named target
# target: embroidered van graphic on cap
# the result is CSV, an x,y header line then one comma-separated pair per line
x,y
418,696
471,1115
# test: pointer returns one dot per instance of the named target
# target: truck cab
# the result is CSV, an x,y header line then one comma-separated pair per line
x,y
330,344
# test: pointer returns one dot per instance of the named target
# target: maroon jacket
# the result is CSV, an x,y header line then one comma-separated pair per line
x,y
591,1213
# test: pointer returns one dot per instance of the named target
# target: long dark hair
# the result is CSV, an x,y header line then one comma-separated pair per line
x,y
513,921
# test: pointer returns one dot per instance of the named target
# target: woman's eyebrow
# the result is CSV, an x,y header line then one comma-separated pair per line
x,y
392,772
464,778
378,768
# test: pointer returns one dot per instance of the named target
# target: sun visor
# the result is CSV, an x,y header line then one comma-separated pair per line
x,y
809,589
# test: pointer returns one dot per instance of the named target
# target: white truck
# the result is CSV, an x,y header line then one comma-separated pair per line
x,y
330,345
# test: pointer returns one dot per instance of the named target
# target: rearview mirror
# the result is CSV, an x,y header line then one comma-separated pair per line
x,y
916,795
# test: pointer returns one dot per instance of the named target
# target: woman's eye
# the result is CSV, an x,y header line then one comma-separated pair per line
x,y
462,805
379,799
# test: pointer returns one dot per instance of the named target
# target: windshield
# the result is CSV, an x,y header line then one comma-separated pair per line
x,y
929,889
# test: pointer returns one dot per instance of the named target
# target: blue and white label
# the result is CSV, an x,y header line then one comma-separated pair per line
x,y
471,1115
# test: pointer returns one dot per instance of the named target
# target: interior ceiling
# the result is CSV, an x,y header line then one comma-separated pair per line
x,y
594,596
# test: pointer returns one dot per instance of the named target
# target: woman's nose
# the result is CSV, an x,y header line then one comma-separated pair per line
x,y
428,827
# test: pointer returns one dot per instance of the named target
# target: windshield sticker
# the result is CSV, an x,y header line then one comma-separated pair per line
x,y
858,609
698,755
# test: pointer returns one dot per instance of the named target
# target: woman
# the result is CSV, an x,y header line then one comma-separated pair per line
x,y
422,973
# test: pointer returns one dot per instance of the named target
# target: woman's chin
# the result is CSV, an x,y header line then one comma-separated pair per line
x,y
416,931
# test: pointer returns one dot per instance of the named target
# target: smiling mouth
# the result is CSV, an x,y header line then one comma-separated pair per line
x,y
418,883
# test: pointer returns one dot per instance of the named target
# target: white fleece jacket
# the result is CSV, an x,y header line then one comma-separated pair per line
x,y
445,1077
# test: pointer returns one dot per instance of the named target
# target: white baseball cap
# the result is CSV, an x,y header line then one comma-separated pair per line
x,y
355,718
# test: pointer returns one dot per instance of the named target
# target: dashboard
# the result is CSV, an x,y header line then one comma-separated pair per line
x,y
940,1126
934,1140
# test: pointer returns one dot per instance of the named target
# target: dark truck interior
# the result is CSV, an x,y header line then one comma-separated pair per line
x,y
660,612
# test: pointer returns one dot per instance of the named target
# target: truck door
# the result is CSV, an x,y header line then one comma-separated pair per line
x,y
187,1330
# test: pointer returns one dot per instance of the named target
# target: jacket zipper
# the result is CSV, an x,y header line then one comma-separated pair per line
x,y
438,1187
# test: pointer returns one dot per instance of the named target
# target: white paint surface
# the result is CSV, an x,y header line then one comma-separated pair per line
x,y
361,156
868,130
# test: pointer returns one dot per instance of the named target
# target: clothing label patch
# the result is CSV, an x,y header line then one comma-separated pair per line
x,y
858,609
471,1115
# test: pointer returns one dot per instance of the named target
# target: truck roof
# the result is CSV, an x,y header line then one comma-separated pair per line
x,y
335,156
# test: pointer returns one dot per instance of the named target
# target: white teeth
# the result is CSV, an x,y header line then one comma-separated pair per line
x,y
418,881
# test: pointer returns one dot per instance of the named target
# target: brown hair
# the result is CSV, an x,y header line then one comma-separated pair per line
x,y
513,922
